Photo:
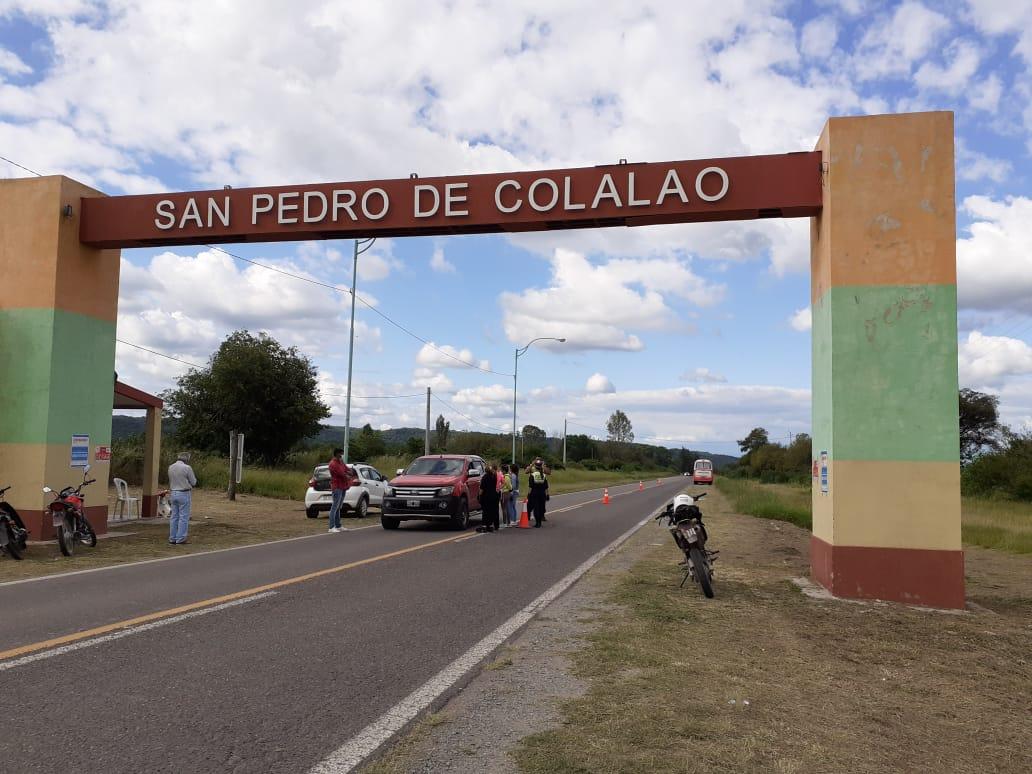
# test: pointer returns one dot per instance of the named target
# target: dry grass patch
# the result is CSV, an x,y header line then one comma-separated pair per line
x,y
215,523
1001,524
764,679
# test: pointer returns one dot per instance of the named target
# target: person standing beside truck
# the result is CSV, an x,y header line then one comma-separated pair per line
x,y
489,501
341,479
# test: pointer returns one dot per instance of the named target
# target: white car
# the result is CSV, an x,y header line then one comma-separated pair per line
x,y
357,499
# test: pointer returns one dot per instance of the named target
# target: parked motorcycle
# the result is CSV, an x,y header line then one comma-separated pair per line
x,y
67,511
684,518
13,535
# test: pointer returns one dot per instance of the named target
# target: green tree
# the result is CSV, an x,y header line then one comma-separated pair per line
x,y
441,430
980,428
686,460
366,444
254,386
580,447
757,437
619,428
533,434
414,445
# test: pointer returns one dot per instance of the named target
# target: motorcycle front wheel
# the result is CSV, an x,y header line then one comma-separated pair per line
x,y
13,547
65,541
702,572
87,535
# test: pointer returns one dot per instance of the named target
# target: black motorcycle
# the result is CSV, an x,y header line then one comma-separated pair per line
x,y
13,535
684,518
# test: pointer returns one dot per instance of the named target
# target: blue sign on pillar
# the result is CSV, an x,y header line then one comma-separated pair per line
x,y
824,472
80,451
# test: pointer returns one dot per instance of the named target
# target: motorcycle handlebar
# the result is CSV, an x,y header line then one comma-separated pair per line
x,y
91,481
4,490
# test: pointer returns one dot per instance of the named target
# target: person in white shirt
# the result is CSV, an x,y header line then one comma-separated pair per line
x,y
181,480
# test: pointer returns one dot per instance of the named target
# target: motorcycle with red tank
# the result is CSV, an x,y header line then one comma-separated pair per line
x,y
67,514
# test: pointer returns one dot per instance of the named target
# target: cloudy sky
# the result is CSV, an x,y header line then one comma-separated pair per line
x,y
698,332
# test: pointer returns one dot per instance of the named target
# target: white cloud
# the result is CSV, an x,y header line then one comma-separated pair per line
x,y
973,165
893,44
446,356
12,64
987,360
994,269
598,383
819,37
956,76
594,305
703,375
435,380
801,320
986,94
441,264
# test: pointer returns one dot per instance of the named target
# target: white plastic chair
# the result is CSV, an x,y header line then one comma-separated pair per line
x,y
124,505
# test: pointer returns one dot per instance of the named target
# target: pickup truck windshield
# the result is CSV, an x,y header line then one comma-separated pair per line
x,y
428,466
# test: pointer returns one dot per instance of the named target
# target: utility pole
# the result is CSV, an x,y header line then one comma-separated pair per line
x,y
426,442
365,244
564,442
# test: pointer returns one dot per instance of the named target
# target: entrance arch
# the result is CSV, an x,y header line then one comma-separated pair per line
x,y
880,194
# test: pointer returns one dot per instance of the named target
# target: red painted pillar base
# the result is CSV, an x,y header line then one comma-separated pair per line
x,y
41,527
931,578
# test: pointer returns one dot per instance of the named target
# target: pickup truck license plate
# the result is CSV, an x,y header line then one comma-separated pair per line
x,y
412,503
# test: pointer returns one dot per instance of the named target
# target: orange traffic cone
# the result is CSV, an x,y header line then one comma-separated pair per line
x,y
524,517
605,496
641,486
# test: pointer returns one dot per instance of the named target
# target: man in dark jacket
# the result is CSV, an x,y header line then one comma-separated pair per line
x,y
538,492
489,498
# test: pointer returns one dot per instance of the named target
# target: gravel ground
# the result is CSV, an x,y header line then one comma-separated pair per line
x,y
519,692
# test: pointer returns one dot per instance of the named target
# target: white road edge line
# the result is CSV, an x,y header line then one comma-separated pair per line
x,y
60,651
55,576
355,751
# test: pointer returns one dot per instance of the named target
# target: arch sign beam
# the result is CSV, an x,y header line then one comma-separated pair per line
x,y
786,185
879,192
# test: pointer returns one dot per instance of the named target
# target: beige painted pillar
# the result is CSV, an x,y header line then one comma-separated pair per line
x,y
886,491
151,462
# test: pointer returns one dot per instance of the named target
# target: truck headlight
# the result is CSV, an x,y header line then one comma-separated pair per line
x,y
389,491
444,491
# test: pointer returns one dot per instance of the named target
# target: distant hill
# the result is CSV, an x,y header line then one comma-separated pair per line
x,y
333,435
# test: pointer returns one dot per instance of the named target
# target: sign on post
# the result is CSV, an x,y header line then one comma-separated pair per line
x,y
80,451
238,473
102,453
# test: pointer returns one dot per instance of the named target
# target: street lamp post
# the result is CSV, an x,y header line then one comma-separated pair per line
x,y
515,371
361,245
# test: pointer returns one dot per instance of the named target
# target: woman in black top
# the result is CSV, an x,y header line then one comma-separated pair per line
x,y
489,498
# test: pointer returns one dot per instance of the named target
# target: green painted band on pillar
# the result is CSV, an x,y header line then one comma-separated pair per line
x,y
885,356
56,376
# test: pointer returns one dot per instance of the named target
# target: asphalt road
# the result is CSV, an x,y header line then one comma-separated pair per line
x,y
268,683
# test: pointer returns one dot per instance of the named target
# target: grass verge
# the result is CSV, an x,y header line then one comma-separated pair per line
x,y
1003,525
215,523
783,502
764,679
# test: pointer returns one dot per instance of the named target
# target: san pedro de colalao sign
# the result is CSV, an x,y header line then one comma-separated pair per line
x,y
624,194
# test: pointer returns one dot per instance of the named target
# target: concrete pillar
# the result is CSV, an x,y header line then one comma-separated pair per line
x,y
886,492
58,303
151,462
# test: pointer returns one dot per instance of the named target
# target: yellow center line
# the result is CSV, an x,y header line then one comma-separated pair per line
x,y
83,635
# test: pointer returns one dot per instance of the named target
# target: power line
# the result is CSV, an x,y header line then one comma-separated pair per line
x,y
328,286
471,419
364,303
159,354
16,164
375,397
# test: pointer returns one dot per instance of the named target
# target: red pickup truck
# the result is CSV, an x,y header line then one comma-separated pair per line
x,y
440,487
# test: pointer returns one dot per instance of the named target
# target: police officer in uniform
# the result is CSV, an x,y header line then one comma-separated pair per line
x,y
538,492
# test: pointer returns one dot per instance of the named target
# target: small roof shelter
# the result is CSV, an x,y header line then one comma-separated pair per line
x,y
127,397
